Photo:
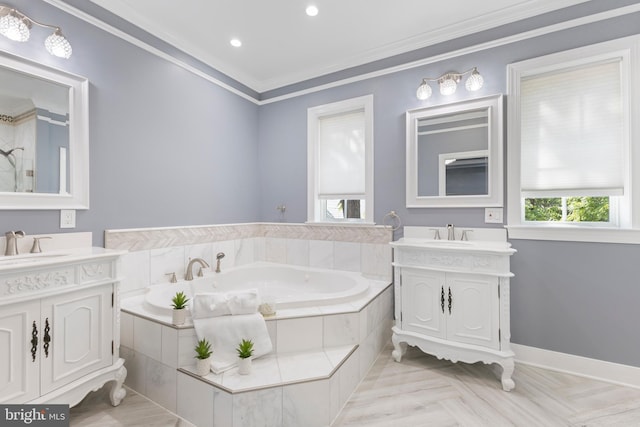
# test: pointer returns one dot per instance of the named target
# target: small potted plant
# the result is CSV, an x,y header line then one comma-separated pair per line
x,y
179,303
245,351
203,352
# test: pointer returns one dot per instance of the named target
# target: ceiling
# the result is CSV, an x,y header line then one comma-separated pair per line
x,y
282,45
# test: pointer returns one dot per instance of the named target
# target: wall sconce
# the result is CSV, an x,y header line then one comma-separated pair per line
x,y
448,83
16,26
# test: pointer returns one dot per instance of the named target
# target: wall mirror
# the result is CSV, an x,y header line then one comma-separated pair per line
x,y
44,137
454,154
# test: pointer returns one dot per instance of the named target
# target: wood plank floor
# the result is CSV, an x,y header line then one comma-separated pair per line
x,y
424,391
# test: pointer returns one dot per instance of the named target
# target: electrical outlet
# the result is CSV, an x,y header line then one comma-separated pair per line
x,y
493,215
67,218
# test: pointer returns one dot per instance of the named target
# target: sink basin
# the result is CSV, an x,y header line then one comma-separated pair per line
x,y
464,245
28,258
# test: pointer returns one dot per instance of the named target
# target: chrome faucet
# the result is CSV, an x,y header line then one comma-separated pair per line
x,y
12,241
451,233
218,258
189,274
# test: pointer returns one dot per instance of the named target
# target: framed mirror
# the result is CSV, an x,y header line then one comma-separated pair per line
x,y
44,137
454,154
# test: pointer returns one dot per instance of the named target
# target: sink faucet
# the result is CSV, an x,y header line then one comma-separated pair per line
x,y
189,274
451,234
218,258
12,241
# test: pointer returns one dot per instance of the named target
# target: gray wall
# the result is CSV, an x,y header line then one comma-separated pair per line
x,y
577,298
166,147
169,148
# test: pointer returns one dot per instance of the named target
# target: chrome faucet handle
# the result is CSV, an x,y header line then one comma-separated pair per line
x,y
200,272
172,277
464,234
35,249
436,233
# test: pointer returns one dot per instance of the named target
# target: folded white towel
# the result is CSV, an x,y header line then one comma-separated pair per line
x,y
225,333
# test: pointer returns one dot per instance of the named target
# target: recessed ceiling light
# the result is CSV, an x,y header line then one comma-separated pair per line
x,y
235,42
312,10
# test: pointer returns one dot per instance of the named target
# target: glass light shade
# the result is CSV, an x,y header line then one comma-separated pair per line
x,y
474,82
448,86
14,28
424,91
57,45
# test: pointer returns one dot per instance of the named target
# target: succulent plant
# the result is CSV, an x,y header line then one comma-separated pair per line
x,y
179,301
245,349
203,349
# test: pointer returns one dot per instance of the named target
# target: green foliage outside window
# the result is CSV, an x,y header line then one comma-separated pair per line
x,y
578,209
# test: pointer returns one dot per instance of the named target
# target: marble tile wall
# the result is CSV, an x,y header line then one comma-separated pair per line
x,y
156,253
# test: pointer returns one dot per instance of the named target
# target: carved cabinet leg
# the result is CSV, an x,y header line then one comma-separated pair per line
x,y
117,391
507,370
400,348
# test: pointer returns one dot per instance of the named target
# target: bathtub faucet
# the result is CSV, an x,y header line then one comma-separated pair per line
x,y
189,274
218,258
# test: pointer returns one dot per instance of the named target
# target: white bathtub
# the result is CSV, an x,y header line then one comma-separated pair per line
x,y
287,286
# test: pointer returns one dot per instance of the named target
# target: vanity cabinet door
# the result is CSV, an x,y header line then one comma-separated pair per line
x,y
422,308
19,367
474,317
80,330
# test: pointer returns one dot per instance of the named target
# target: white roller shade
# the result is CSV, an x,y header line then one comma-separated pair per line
x,y
341,156
572,127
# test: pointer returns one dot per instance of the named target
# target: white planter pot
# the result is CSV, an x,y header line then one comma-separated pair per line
x,y
244,366
203,366
179,316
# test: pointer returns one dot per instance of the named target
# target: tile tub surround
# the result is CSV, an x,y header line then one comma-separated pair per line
x,y
159,355
340,344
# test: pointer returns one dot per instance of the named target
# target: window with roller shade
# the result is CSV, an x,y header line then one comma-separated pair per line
x,y
569,141
340,161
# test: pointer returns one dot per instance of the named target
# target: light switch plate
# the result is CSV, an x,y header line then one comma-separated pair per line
x,y
67,218
493,215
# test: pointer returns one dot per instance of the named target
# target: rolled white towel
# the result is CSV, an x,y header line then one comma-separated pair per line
x,y
210,304
243,302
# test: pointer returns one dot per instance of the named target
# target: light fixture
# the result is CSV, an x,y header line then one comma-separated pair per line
x,y
312,10
16,26
448,83
235,42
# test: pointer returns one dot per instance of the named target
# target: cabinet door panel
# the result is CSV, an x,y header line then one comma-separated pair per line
x,y
474,310
81,334
19,372
421,303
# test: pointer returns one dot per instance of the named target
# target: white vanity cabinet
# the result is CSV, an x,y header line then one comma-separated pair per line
x,y
452,300
59,328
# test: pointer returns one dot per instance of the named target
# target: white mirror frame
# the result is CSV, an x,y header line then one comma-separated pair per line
x,y
494,198
78,196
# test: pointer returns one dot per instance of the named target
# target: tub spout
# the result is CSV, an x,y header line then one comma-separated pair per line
x,y
189,274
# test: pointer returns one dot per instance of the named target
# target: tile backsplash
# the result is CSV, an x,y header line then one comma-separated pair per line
x,y
155,253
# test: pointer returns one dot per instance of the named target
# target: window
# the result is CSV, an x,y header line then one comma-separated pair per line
x,y
569,144
340,161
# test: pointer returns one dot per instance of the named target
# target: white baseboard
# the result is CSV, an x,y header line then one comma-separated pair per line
x,y
615,373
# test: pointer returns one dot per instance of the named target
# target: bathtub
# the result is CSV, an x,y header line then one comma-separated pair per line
x,y
287,286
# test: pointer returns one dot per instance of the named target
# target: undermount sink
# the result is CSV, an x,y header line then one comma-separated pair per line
x,y
28,258
463,245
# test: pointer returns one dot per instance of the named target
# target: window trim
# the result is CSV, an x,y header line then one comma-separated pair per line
x,y
314,114
628,230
